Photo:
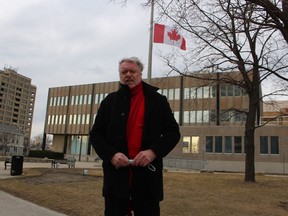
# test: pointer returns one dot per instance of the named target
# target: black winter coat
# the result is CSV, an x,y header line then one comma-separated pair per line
x,y
108,136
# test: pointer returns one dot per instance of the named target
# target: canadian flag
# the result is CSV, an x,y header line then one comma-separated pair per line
x,y
168,35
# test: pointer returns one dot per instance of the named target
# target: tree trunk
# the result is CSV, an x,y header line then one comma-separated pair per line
x,y
249,137
250,151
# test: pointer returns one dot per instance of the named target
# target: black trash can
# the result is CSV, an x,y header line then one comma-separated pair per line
x,y
17,165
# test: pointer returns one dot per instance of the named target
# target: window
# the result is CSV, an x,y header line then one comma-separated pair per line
x,y
88,119
190,147
199,92
263,145
209,144
274,145
223,91
195,144
269,148
96,98
237,144
177,94
186,93
193,92
192,116
186,145
218,144
186,117
230,90
89,99
206,92
176,116
171,94
165,92
228,144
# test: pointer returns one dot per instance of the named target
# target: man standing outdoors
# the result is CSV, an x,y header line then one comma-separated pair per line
x,y
133,130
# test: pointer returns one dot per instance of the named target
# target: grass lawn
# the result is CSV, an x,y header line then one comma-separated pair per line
x,y
196,194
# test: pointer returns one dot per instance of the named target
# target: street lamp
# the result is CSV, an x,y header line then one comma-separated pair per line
x,y
80,136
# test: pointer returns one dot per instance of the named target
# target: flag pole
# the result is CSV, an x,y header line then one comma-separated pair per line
x,y
149,71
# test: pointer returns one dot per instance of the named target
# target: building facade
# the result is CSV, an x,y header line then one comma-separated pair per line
x,y
209,114
17,99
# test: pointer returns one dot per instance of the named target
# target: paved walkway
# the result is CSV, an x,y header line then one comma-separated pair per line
x,y
13,206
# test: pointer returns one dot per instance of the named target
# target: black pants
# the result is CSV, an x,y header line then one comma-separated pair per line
x,y
141,207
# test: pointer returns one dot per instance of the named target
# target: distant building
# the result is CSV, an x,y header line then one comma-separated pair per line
x,y
209,115
11,140
17,99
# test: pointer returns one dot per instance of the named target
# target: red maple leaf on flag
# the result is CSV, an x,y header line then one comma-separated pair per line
x,y
173,35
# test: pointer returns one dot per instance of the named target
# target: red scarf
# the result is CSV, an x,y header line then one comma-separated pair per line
x,y
135,121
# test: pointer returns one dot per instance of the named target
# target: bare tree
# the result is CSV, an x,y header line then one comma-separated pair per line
x,y
278,12
37,142
229,36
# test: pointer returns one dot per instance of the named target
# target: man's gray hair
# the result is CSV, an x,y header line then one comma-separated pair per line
x,y
134,60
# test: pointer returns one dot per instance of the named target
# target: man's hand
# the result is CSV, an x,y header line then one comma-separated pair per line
x,y
119,160
143,158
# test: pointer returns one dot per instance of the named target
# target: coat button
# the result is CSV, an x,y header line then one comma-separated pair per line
x,y
122,114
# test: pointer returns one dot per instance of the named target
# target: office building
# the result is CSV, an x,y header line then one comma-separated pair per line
x,y
208,111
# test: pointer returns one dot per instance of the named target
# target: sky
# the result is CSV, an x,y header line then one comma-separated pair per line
x,y
72,42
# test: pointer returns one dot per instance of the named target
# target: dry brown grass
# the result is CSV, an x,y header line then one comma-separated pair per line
x,y
205,194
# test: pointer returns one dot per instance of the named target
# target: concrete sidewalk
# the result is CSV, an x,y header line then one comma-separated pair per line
x,y
13,206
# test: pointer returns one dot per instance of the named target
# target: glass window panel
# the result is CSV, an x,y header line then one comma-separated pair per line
x,y
199,116
88,119
72,100
237,91
66,100
51,101
64,119
212,115
218,144
52,119
56,119
274,145
186,117
263,145
192,116
223,91
237,144
165,92
71,119
96,98
101,96
186,145
193,93
206,91
89,99
228,144
205,116
186,93
209,144
171,94
85,99
177,94
199,92
213,92
75,119
195,144
79,119
230,90
76,100
83,118
176,116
